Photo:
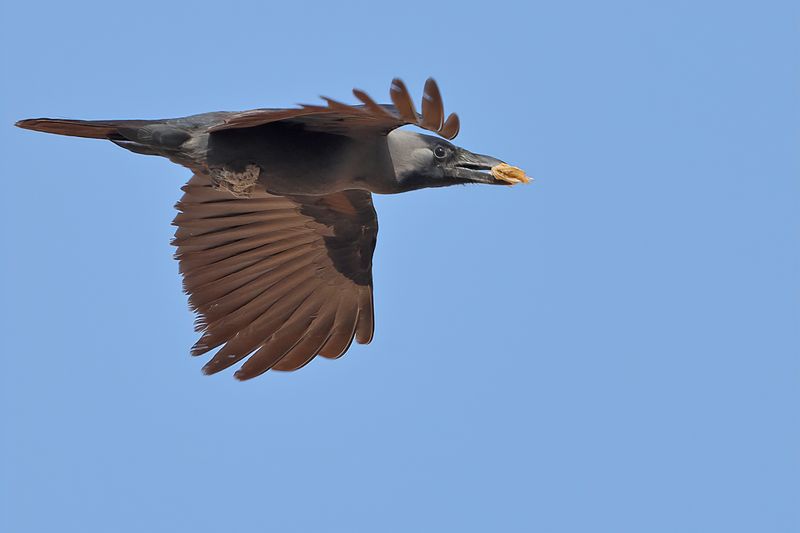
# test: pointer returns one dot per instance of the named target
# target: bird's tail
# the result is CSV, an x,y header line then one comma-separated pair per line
x,y
93,129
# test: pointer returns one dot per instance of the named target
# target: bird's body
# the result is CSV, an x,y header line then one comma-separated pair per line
x,y
276,229
298,161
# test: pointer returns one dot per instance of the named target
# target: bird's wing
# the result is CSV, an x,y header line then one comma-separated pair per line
x,y
337,117
281,279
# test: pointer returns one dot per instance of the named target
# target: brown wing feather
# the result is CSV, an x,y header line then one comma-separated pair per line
x,y
370,104
229,316
451,127
432,106
365,327
274,278
291,333
403,102
309,346
338,117
343,329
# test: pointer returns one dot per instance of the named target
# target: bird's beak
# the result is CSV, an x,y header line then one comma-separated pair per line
x,y
473,168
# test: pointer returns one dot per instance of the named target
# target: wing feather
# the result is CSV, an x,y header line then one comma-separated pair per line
x,y
403,102
238,233
289,335
365,326
432,107
375,108
314,339
275,279
256,334
240,263
339,117
230,315
198,255
451,127
343,328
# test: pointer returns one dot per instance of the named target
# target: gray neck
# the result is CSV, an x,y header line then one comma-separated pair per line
x,y
412,159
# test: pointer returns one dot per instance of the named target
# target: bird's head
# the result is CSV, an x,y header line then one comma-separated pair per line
x,y
423,161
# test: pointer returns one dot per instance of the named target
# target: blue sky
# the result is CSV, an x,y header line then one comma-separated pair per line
x,y
613,348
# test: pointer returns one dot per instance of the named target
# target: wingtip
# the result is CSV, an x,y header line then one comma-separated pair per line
x,y
210,368
198,348
451,127
398,86
432,107
402,100
241,376
364,340
26,123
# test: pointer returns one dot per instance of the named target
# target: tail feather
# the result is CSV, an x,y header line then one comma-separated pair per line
x,y
93,129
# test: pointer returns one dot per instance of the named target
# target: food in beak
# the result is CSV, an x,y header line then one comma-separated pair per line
x,y
509,174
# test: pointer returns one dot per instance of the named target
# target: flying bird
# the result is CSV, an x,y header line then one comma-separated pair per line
x,y
276,228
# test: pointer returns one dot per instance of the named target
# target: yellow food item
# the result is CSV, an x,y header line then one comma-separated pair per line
x,y
509,174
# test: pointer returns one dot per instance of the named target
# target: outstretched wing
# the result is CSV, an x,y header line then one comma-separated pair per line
x,y
280,279
339,117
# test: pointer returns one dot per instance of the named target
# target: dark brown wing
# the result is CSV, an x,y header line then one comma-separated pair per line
x,y
341,118
280,279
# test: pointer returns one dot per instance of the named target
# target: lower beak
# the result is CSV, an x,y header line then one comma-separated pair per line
x,y
475,168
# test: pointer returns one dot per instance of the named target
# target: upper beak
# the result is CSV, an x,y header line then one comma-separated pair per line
x,y
474,168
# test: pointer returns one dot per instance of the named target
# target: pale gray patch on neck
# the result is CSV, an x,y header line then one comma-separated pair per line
x,y
409,152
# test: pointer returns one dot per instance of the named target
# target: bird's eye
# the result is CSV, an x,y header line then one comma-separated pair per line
x,y
440,152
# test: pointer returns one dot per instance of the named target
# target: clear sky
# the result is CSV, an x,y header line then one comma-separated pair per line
x,y
613,348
